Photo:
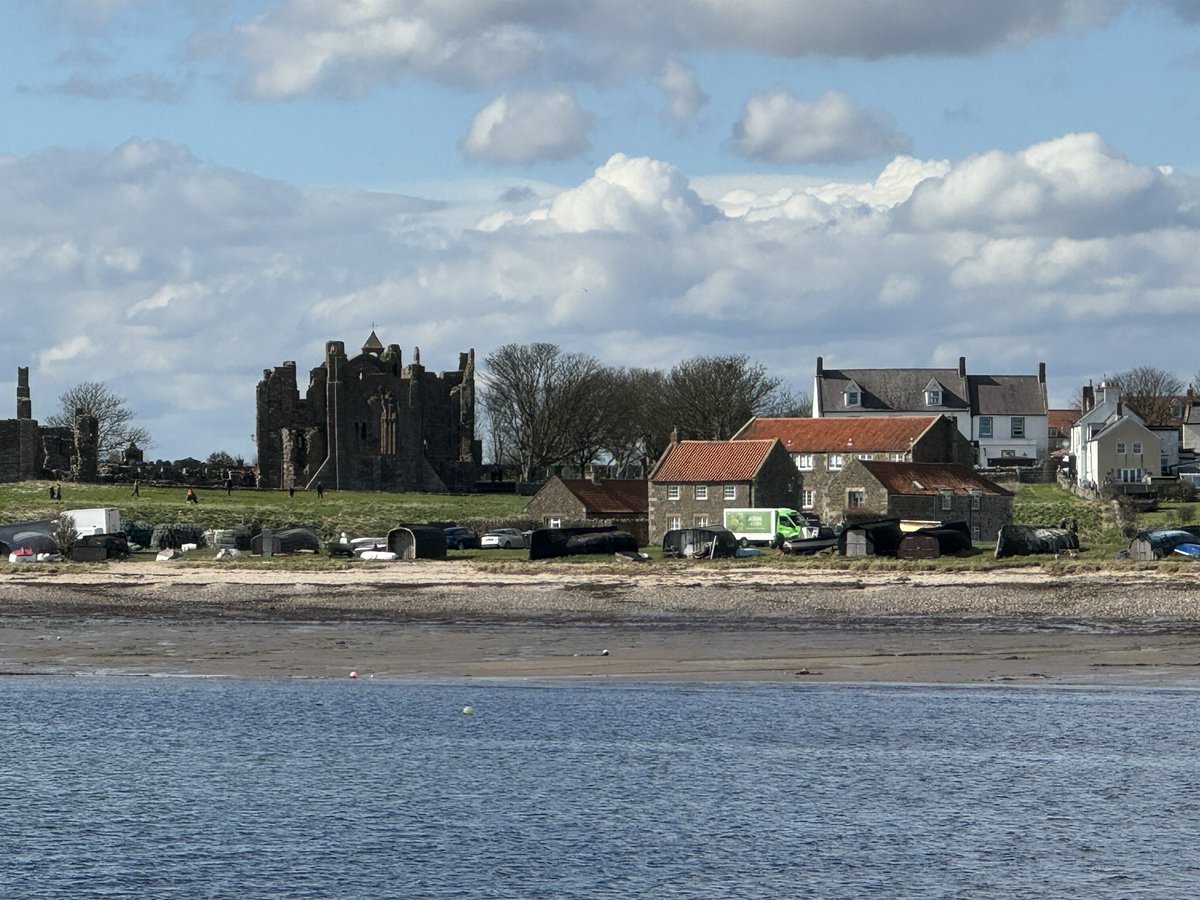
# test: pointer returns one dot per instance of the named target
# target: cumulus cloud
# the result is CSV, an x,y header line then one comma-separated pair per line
x,y
296,47
528,127
177,281
684,97
779,127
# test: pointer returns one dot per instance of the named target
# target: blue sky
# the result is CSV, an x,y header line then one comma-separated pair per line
x,y
198,189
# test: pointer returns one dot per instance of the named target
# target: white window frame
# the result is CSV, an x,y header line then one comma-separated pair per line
x,y
554,522
1120,448
673,523
867,456
1016,427
856,498
852,398
835,462
808,499
976,499
899,457
947,500
730,492
700,521
804,462
673,492
933,397
702,492
1136,448
985,426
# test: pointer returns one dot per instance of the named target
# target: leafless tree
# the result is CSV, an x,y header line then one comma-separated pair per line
x,y
1149,392
114,417
711,397
543,404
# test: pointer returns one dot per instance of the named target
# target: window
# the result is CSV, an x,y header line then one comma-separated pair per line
x,y
985,426
673,522
1008,454
897,457
853,398
1176,409
933,397
1017,426
974,532
947,498
836,461
809,499
1094,430
1121,447
864,455
731,492
554,522
856,498
701,522
1137,447
976,499
702,492
804,462
672,492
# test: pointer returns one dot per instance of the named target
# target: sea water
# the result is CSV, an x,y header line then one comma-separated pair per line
x,y
168,787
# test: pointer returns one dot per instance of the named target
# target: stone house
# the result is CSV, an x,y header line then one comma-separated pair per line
x,y
694,482
1004,416
564,502
369,423
820,448
928,492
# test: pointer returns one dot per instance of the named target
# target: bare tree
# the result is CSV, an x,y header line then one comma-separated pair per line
x,y
711,397
1149,392
637,429
114,417
542,403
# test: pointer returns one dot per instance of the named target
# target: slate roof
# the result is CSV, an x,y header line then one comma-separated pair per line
x,y
895,390
373,344
618,497
712,461
1006,395
868,434
930,478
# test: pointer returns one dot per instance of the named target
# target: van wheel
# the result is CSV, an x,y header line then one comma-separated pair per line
x,y
743,543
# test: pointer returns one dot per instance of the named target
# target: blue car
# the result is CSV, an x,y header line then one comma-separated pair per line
x,y
461,539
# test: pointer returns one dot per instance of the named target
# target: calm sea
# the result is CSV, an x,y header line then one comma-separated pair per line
x,y
168,787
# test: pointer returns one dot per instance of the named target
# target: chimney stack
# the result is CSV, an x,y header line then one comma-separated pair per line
x,y
820,367
1041,373
24,404
962,367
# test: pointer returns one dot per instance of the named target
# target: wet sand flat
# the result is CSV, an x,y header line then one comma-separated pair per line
x,y
675,623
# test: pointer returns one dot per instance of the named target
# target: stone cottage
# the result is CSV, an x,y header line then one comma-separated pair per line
x,y
928,492
821,448
564,502
694,482
369,423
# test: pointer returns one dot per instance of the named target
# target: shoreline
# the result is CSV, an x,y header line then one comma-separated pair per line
x,y
684,623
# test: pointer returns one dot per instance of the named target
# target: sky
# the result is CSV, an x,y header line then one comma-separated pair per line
x,y
193,191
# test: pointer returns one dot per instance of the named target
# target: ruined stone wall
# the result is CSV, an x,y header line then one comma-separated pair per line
x,y
368,423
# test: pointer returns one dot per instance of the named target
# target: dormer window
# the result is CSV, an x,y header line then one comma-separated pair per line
x,y
852,396
933,393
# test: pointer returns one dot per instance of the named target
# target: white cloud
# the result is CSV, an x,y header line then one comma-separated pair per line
x,y
146,268
528,127
685,99
296,47
781,128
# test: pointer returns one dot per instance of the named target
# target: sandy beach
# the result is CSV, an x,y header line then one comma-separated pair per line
x,y
681,622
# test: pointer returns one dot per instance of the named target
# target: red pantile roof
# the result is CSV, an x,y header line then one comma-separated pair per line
x,y
930,478
619,497
865,434
712,461
1062,419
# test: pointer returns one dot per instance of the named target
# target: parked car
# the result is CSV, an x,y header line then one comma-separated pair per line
x,y
504,539
458,538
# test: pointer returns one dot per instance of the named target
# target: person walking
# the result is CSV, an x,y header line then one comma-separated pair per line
x,y
136,485
320,490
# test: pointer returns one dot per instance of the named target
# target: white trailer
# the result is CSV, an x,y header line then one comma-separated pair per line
x,y
101,520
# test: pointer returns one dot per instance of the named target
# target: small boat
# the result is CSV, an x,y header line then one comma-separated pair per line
x,y
1192,550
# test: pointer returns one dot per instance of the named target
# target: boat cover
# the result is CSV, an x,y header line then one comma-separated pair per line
x,y
1024,540
548,543
699,543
